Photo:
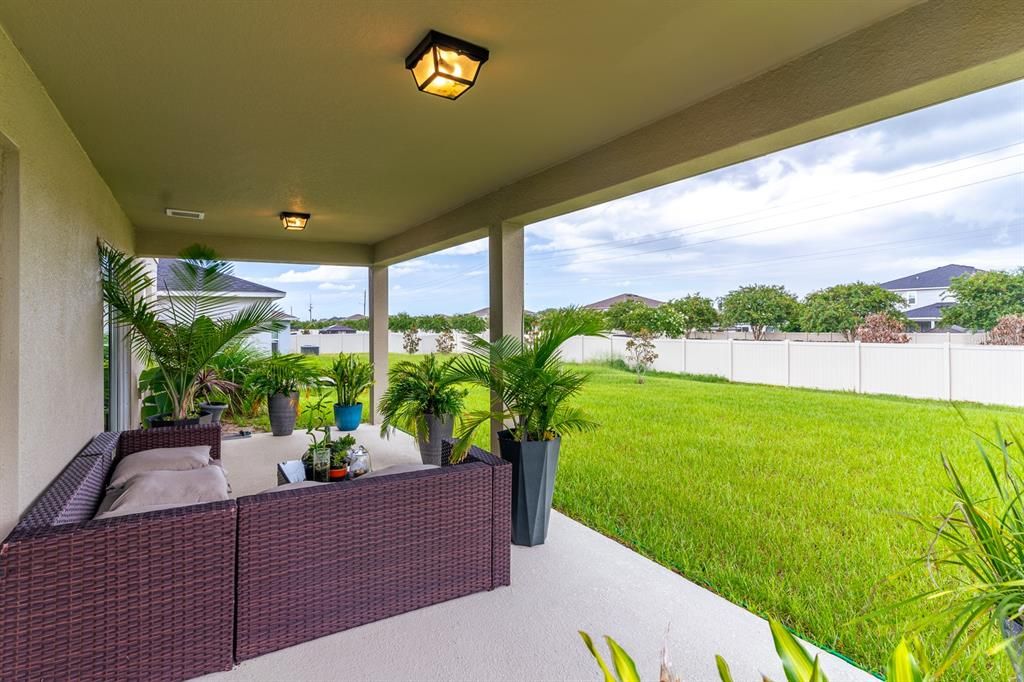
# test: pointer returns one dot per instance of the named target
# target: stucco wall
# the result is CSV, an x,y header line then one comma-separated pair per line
x,y
50,311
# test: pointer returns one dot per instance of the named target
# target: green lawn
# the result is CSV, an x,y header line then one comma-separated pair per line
x,y
790,502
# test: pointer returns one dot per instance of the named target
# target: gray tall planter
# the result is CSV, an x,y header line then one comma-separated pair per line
x,y
534,465
438,428
1014,628
282,409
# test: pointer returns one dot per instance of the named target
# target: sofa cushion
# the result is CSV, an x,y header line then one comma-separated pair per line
x,y
172,487
399,469
159,459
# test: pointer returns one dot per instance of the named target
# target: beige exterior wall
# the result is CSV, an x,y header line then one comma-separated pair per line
x,y
50,306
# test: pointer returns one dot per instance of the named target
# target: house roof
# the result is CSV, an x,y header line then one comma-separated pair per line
x,y
357,316
485,312
927,312
936,278
166,280
338,329
607,303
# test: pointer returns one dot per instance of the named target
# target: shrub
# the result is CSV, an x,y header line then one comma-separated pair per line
x,y
411,340
881,328
640,347
446,341
1009,331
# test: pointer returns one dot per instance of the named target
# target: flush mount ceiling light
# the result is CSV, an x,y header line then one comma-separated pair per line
x,y
295,222
184,213
445,66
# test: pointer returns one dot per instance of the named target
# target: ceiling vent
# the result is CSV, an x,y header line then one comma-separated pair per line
x,y
182,213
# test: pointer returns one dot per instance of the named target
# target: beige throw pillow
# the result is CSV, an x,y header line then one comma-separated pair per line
x,y
137,510
172,487
399,469
160,459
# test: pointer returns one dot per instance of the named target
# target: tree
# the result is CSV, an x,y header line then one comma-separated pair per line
x,y
584,317
984,297
1009,331
697,312
882,328
401,322
470,324
642,352
760,306
844,307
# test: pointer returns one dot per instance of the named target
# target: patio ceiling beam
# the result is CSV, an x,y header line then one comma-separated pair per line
x,y
933,52
291,249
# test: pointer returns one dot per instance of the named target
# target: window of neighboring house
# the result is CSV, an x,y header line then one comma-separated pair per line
x,y
275,340
910,297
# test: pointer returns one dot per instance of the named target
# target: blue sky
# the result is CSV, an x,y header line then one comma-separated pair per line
x,y
940,185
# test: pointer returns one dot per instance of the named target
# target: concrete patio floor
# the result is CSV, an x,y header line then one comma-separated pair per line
x,y
578,580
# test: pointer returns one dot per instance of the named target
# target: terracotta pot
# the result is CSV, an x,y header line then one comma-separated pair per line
x,y
339,474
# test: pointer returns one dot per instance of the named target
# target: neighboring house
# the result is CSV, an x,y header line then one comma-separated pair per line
x,y
358,317
607,303
926,293
337,329
241,293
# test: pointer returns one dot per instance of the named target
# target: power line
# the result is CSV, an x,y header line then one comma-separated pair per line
x,y
804,222
683,231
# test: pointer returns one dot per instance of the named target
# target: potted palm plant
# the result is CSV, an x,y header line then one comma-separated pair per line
x,y
535,388
280,378
423,399
178,335
350,377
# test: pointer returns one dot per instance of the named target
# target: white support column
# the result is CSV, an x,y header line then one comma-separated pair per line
x,y
378,311
505,256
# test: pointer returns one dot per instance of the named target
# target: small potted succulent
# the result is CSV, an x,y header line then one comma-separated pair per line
x,y
339,456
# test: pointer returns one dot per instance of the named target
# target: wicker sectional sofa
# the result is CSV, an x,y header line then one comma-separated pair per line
x,y
176,593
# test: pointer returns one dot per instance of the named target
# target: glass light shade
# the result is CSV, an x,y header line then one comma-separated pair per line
x,y
445,66
294,221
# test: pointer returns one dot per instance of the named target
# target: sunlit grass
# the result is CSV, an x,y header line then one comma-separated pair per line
x,y
790,502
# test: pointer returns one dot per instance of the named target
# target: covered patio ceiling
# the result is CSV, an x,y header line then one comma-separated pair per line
x,y
242,111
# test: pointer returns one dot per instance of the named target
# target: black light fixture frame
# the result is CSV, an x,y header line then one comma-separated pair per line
x,y
293,214
443,40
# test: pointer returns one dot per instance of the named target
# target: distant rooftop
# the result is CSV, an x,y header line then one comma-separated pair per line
x,y
166,280
936,278
927,312
607,303
357,316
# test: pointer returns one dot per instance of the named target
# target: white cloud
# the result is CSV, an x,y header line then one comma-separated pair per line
x,y
333,286
468,249
321,273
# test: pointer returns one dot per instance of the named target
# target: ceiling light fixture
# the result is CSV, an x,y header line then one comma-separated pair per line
x,y
184,213
296,222
445,66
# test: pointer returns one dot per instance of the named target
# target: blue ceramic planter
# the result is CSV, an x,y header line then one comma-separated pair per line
x,y
347,417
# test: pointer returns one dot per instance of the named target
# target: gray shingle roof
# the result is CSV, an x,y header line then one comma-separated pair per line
x,y
607,303
936,278
927,312
166,280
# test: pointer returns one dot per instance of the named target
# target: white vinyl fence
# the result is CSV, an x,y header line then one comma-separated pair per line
x,y
943,371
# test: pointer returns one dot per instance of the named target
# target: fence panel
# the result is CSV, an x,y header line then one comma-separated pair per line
x,y
987,374
707,357
760,363
831,366
913,370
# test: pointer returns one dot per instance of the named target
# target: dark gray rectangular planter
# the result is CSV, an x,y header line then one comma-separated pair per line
x,y
534,465
1015,629
438,429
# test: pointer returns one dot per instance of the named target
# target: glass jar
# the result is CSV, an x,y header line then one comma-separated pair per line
x,y
322,465
358,461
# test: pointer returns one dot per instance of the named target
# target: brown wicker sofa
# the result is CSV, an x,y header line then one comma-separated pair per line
x,y
157,595
148,596
314,561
